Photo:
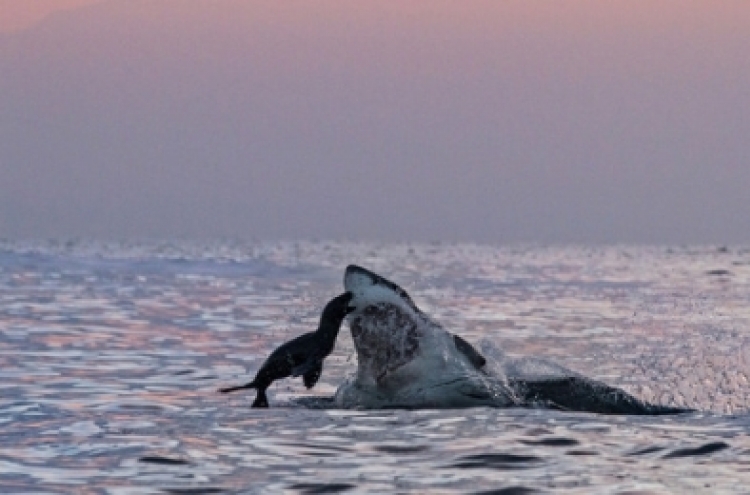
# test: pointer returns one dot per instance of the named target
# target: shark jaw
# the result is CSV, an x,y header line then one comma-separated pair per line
x,y
404,358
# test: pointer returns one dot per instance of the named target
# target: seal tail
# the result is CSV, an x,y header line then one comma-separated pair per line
x,y
226,390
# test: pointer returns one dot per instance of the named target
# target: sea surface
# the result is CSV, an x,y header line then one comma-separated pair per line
x,y
111,355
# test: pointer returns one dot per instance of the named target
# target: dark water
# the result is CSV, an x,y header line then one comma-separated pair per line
x,y
111,354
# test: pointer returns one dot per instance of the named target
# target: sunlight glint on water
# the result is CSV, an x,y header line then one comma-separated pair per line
x,y
111,354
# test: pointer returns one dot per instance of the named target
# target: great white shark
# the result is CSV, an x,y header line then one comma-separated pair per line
x,y
407,360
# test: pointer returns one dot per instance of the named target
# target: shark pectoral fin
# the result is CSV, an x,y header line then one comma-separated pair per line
x,y
468,350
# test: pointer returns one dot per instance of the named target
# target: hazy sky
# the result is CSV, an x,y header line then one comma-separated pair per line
x,y
22,14
489,121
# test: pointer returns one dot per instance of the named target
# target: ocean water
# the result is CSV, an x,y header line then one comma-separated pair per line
x,y
111,355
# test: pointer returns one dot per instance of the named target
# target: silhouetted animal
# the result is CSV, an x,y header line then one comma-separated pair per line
x,y
302,355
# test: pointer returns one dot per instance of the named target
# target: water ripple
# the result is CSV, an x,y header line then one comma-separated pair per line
x,y
111,355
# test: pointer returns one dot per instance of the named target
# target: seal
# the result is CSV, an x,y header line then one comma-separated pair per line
x,y
406,360
301,356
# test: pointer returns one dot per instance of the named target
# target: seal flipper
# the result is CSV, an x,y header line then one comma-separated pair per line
x,y
468,350
308,365
311,377
260,400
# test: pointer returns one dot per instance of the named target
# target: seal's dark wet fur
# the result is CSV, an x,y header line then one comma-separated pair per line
x,y
303,355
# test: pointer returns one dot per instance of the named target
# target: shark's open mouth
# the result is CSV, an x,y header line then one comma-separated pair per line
x,y
385,336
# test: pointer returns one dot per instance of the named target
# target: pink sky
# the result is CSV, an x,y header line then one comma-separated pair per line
x,y
482,120
20,14
16,15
